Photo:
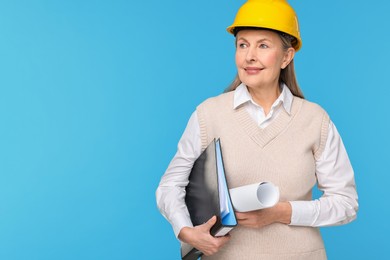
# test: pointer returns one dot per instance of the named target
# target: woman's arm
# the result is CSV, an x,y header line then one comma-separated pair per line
x,y
335,176
280,213
170,193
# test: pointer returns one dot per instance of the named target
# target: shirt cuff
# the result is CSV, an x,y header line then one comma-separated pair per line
x,y
304,213
179,221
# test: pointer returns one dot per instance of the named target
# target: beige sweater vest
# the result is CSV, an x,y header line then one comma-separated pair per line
x,y
283,153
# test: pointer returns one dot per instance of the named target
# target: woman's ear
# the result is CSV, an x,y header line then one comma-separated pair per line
x,y
288,57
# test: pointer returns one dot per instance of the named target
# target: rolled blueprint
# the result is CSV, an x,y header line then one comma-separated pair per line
x,y
254,196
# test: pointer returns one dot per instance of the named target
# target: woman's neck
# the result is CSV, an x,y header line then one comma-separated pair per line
x,y
265,96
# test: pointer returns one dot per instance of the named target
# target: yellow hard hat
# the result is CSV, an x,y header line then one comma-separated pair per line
x,y
270,14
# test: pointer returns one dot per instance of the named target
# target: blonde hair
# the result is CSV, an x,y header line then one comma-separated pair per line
x,y
287,75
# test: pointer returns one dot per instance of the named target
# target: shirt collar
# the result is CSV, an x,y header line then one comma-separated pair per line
x,y
242,95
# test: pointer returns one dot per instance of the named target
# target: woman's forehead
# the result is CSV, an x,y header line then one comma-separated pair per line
x,y
256,33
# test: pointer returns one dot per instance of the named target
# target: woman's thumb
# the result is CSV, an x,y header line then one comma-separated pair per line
x,y
210,223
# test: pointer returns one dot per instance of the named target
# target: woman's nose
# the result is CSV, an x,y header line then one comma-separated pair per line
x,y
251,55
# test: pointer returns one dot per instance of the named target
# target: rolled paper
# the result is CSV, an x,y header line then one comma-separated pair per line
x,y
254,196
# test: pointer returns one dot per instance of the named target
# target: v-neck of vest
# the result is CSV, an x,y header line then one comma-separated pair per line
x,y
263,136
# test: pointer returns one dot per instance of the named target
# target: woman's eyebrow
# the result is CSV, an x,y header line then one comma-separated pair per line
x,y
241,38
258,41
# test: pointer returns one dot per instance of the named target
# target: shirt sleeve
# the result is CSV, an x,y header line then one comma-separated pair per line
x,y
335,176
170,193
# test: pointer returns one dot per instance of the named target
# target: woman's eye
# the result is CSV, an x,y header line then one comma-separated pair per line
x,y
263,46
242,45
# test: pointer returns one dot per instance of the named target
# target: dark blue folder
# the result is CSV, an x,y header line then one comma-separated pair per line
x,y
207,186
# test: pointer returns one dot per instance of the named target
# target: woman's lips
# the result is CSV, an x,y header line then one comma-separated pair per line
x,y
252,70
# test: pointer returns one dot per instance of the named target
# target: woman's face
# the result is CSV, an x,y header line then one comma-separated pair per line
x,y
260,57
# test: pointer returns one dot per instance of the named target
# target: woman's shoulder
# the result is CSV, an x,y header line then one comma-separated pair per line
x,y
310,106
218,101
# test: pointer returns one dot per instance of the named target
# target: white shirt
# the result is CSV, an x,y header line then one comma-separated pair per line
x,y
335,176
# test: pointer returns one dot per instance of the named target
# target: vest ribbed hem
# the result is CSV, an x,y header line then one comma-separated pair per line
x,y
324,136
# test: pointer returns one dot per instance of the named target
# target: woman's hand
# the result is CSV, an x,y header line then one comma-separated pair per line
x,y
200,238
280,213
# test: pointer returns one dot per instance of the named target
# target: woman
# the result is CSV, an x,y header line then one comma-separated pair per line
x,y
269,133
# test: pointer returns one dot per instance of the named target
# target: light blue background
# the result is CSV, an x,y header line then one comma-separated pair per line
x,y
94,96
